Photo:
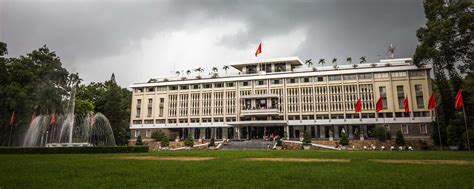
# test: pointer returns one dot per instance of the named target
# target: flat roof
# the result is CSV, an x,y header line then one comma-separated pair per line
x,y
292,60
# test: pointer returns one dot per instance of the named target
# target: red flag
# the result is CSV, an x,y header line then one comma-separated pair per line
x,y
431,102
458,103
259,50
405,105
12,118
51,122
92,119
358,106
379,105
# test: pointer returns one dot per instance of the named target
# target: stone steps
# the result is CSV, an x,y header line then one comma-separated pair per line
x,y
248,145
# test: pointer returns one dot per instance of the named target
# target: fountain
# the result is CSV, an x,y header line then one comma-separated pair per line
x,y
69,129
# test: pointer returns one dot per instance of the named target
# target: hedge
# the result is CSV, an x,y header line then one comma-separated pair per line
x,y
73,150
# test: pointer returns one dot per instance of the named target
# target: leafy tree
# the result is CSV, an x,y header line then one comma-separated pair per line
x,y
306,138
400,140
453,135
83,107
189,141
164,141
380,132
157,135
344,140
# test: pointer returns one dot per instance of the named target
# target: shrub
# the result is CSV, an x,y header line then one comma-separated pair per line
x,y
157,135
165,142
279,142
212,143
344,140
471,136
380,132
73,150
189,141
400,140
139,141
306,138
453,135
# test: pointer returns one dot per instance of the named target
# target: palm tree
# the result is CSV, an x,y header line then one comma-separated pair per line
x,y
188,72
322,62
334,61
214,69
349,59
200,70
177,73
225,68
362,59
308,63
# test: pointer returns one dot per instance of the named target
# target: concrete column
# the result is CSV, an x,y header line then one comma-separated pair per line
x,y
191,131
351,134
202,133
364,131
225,133
336,131
287,132
237,132
322,133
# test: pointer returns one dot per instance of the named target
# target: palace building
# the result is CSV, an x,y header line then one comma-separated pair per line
x,y
281,96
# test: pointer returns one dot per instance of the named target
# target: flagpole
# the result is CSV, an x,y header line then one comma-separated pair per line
x,y
439,131
467,131
9,136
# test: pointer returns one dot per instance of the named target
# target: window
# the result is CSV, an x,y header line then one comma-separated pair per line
x,y
148,121
148,133
306,79
350,77
139,90
251,69
405,129
244,83
150,105
417,73
260,82
230,84
160,121
151,89
380,75
218,85
206,85
334,78
137,133
419,96
280,67
137,121
173,88
383,94
196,86
399,74
365,76
139,106
292,80
423,129
321,79
184,87
276,82
401,96
162,100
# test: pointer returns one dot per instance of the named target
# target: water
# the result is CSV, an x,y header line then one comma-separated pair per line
x,y
71,129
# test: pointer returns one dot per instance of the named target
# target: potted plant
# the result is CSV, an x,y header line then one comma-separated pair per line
x,y
189,142
212,144
165,143
453,137
306,141
279,143
344,141
331,134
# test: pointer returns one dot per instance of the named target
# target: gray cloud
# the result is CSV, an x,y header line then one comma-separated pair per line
x,y
84,31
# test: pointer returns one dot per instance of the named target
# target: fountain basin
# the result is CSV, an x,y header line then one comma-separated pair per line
x,y
68,144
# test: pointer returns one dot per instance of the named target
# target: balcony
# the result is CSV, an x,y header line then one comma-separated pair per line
x,y
262,111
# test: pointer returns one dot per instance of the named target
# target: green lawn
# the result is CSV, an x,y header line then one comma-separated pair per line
x,y
230,170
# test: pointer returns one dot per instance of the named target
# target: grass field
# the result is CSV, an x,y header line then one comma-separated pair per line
x,y
240,169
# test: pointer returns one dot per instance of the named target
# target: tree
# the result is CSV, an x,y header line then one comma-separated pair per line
x,y
157,135
164,141
177,73
344,140
322,62
308,63
362,60
214,69
334,61
188,72
200,70
189,141
225,68
446,42
400,140
139,141
380,132
306,138
83,107
212,143
349,60
453,135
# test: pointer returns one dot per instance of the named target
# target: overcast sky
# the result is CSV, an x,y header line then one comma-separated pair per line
x,y
139,40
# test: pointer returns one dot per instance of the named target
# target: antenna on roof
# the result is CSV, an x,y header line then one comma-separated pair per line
x,y
391,50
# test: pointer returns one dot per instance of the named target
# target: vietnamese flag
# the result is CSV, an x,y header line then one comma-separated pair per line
x,y
259,50
12,118
379,105
358,106
458,103
51,122
431,102
405,105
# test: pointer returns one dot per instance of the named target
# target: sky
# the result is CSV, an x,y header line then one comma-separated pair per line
x,y
139,40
